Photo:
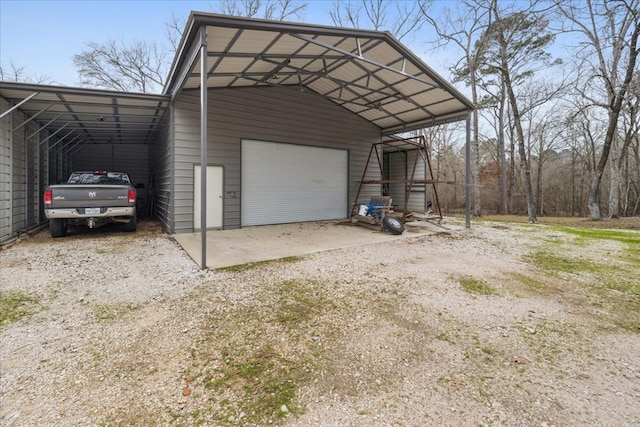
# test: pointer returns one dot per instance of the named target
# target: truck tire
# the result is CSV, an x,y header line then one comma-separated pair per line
x,y
58,227
393,225
132,225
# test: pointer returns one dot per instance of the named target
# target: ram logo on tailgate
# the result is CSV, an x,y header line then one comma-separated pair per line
x,y
92,194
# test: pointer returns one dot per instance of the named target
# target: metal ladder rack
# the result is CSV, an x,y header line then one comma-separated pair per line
x,y
405,145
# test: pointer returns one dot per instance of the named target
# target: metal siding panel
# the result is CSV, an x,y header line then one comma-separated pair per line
x,y
19,179
161,159
417,199
399,170
44,172
6,143
282,114
283,183
186,143
33,179
130,158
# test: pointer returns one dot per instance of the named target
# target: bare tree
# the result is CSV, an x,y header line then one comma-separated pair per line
x,y
173,31
143,66
14,73
628,136
515,51
137,67
606,59
465,30
546,132
278,10
401,20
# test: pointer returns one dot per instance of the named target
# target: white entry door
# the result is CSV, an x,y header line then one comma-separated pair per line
x,y
214,197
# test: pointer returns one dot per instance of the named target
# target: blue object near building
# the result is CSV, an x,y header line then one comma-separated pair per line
x,y
374,209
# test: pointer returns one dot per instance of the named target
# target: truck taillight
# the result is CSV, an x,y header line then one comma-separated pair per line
x,y
47,197
132,196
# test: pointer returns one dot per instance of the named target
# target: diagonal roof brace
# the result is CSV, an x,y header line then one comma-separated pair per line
x,y
362,58
67,144
45,126
341,83
54,133
72,148
30,97
32,117
273,74
59,140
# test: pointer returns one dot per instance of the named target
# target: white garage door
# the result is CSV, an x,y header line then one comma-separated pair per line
x,y
284,183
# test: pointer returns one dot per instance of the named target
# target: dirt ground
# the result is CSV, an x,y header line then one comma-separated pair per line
x,y
503,324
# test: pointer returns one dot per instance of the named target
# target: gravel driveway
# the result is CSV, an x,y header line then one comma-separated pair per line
x,y
115,329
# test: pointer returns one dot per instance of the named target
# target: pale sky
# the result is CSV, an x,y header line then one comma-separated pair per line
x,y
43,36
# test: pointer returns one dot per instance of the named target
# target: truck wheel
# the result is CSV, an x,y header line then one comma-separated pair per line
x,y
393,225
132,225
58,227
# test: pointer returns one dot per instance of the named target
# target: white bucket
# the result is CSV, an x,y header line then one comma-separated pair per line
x,y
363,210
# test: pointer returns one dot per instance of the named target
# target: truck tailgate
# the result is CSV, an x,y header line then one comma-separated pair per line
x,y
75,195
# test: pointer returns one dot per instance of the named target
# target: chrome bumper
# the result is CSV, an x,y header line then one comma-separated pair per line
x,y
73,213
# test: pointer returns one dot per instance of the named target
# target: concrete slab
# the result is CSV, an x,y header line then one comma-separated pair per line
x,y
261,243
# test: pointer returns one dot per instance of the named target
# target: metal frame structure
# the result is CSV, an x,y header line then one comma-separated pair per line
x,y
417,144
368,73
78,116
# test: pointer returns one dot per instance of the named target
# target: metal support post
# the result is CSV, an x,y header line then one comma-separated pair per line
x,y
467,187
203,145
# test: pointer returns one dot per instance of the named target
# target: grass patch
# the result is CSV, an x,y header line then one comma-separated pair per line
x,y
112,311
553,264
627,237
631,239
257,354
550,339
537,284
251,265
14,305
254,386
475,286
608,281
297,303
579,222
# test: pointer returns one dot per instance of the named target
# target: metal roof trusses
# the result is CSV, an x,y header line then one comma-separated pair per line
x,y
93,116
367,72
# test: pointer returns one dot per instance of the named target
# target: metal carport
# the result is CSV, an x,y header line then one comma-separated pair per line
x,y
369,73
52,123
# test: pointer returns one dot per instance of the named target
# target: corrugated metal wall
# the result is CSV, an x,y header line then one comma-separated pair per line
x,y
399,166
6,168
161,154
130,158
19,176
29,161
24,173
276,114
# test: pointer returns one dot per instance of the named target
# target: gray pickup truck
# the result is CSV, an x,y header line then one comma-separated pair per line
x,y
91,198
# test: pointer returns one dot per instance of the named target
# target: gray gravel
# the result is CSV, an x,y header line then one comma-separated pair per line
x,y
118,321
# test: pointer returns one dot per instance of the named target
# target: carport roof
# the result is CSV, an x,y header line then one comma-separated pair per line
x,y
81,116
369,73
